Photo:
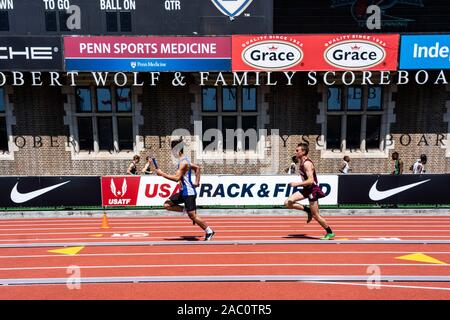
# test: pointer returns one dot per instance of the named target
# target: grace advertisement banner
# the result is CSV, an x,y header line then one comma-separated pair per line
x,y
213,191
335,52
147,53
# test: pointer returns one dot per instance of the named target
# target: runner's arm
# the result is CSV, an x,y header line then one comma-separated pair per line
x,y
309,173
177,176
197,170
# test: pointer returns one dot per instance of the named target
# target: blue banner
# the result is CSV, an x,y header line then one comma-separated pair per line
x,y
425,52
159,64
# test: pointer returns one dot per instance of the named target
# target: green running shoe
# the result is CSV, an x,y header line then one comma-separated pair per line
x,y
328,236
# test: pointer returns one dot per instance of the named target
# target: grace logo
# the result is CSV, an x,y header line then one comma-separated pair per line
x,y
272,55
353,55
232,8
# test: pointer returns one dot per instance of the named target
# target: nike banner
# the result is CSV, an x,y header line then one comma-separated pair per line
x,y
49,191
390,189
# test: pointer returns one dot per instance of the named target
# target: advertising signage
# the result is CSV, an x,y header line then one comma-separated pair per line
x,y
30,53
49,191
213,191
147,53
425,52
393,189
315,52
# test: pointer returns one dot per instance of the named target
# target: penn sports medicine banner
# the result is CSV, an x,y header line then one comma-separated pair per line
x,y
49,191
425,52
147,53
390,189
334,52
213,191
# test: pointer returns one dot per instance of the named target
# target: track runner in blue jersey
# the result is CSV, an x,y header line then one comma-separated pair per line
x,y
188,193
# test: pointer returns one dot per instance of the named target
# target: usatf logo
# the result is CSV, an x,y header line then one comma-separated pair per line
x,y
272,55
232,8
119,193
359,10
355,54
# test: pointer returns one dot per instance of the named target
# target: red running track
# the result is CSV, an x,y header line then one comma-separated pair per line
x,y
190,260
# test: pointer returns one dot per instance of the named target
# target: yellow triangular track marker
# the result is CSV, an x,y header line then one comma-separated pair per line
x,y
420,257
96,235
342,239
69,251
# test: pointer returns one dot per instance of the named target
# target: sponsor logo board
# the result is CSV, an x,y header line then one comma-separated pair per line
x,y
425,52
30,53
147,53
215,190
315,52
391,189
120,191
49,191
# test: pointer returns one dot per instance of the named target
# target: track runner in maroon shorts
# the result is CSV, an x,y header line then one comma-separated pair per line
x,y
311,190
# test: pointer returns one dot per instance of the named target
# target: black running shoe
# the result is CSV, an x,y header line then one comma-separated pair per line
x,y
308,211
209,236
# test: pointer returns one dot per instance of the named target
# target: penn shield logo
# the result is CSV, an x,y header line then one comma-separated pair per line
x,y
232,8
272,55
355,54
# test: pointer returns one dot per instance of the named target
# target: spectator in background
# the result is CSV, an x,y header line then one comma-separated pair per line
x,y
345,167
132,168
293,166
419,166
148,166
398,164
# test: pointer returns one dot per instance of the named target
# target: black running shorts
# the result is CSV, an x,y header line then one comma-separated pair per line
x,y
189,201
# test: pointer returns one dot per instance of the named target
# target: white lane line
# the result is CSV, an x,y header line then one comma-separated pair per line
x,y
230,265
234,237
381,285
217,229
220,253
228,220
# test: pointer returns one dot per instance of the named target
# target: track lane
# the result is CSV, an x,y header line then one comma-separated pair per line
x,y
221,260
237,291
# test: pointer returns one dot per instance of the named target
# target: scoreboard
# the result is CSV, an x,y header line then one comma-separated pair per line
x,y
135,17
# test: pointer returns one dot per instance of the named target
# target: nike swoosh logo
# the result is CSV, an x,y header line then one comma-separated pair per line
x,y
18,197
376,195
